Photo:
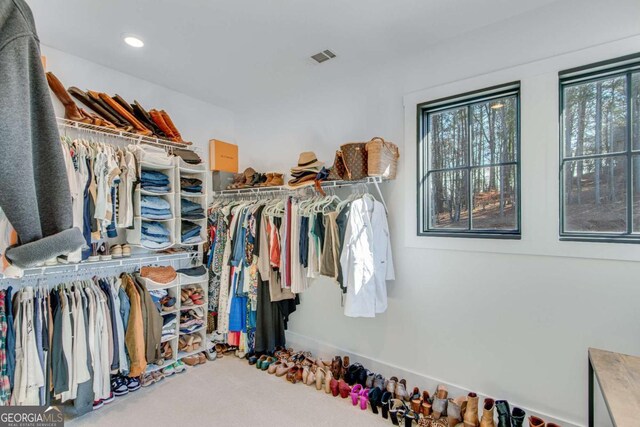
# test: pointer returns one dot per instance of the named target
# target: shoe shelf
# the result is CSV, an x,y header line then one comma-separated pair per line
x,y
127,137
190,307
183,354
153,367
71,271
169,338
166,313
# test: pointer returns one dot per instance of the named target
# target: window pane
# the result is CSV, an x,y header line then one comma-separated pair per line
x,y
595,117
448,202
494,127
448,139
595,193
636,193
494,198
635,110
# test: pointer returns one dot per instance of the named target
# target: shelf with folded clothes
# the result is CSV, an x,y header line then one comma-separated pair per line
x,y
152,234
191,168
155,207
157,179
192,232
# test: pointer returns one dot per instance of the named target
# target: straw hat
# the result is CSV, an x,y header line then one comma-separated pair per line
x,y
307,161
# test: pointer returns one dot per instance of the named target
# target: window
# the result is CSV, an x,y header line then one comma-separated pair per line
x,y
600,151
469,164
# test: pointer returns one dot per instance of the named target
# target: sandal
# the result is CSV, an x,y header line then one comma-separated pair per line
x,y
355,394
364,399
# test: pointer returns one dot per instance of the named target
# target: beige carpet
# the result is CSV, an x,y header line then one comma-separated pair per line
x,y
229,392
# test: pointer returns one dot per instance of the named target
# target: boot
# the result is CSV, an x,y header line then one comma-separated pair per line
x,y
439,404
517,417
71,111
504,413
471,414
487,413
536,422
455,410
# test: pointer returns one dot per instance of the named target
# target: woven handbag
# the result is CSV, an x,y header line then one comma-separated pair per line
x,y
382,158
338,170
354,155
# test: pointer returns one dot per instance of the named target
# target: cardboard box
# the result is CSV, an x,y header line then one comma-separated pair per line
x,y
221,180
223,156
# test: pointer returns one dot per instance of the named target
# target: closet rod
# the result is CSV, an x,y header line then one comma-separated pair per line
x,y
97,265
374,180
128,136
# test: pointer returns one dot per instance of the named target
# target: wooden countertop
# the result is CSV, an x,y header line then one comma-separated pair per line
x,y
619,378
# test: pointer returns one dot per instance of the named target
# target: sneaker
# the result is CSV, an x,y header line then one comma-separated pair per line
x,y
158,376
116,251
109,399
168,371
133,384
97,404
147,380
119,385
179,367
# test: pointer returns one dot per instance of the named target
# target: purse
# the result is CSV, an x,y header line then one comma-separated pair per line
x,y
338,171
354,156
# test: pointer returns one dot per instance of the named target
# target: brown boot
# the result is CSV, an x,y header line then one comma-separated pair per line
x,y
471,414
487,413
456,410
176,135
71,111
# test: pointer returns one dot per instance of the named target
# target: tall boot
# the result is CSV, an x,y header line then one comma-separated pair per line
x,y
517,417
536,422
487,413
471,414
504,413
71,111
455,410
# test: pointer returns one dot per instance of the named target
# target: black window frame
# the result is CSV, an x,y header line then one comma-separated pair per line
x,y
465,99
622,66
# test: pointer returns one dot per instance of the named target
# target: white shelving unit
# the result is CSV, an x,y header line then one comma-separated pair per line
x,y
174,290
185,170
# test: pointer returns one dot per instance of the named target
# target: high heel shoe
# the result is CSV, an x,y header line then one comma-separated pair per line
x,y
334,386
364,399
384,402
355,394
375,395
439,405
344,389
397,409
328,381
401,390
391,385
425,405
320,374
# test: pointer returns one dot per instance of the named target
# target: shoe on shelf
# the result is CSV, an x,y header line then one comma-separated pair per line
x,y
168,371
192,360
148,379
133,383
179,367
109,399
119,385
116,251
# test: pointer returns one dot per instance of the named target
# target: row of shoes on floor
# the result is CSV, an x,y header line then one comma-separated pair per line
x,y
251,178
114,112
391,397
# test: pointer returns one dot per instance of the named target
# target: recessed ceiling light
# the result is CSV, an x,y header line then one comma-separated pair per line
x,y
133,41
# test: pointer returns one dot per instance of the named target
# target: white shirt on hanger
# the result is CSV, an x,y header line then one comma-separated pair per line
x,y
366,259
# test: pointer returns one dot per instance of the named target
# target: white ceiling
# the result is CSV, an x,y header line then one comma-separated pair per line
x,y
232,52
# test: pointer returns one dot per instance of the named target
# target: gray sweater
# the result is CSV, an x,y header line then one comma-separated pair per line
x,y
34,190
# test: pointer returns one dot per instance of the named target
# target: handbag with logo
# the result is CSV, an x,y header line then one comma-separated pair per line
x,y
338,170
354,156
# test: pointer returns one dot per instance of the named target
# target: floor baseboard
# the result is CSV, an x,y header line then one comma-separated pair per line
x,y
326,350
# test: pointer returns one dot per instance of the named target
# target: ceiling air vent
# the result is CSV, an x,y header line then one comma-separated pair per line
x,y
323,56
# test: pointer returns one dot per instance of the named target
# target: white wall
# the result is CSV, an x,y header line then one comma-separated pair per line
x,y
196,120
508,319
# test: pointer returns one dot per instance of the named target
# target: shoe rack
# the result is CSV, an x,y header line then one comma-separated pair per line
x,y
174,289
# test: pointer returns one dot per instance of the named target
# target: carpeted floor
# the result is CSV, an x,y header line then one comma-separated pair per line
x,y
229,392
